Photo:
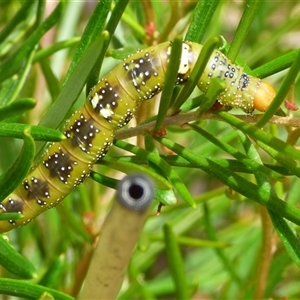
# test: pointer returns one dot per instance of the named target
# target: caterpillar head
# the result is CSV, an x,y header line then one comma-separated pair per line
x,y
264,95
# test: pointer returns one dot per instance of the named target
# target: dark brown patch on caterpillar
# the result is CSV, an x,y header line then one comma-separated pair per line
x,y
60,165
36,189
82,133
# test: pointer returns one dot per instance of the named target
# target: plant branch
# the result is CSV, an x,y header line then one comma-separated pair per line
x,y
182,119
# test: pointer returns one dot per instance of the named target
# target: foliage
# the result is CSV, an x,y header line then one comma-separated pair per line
x,y
241,171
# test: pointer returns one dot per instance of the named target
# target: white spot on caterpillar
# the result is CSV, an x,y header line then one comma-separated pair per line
x,y
184,61
95,100
106,112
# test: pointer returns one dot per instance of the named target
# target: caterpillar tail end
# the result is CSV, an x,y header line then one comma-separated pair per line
x,y
264,96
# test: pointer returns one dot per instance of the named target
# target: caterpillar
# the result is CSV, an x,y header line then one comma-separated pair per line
x,y
110,105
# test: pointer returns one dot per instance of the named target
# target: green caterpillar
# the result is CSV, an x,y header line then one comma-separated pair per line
x,y
110,105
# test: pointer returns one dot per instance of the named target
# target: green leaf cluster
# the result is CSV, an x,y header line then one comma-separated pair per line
x,y
224,180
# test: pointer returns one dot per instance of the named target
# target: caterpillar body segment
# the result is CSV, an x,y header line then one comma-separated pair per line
x,y
110,105
242,90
